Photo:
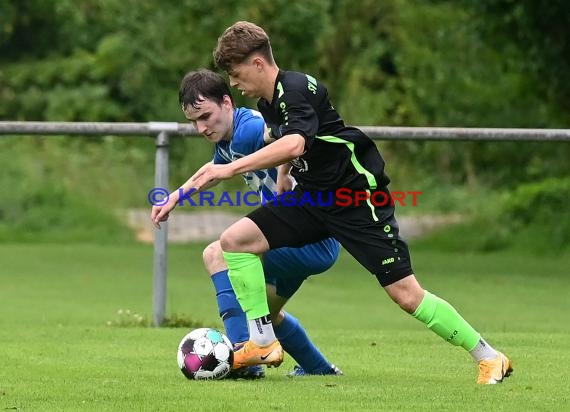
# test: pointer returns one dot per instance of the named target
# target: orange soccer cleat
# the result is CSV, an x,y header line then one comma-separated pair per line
x,y
250,354
495,370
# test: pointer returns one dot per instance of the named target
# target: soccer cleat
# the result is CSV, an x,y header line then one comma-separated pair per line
x,y
248,373
250,354
298,371
495,370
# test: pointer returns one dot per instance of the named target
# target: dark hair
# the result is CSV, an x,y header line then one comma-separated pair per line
x,y
240,41
196,86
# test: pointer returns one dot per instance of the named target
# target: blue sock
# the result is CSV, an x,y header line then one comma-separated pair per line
x,y
231,313
296,343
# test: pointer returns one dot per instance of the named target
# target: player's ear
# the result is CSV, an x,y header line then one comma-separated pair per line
x,y
258,63
227,101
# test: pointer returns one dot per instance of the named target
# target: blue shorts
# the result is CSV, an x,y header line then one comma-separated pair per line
x,y
286,268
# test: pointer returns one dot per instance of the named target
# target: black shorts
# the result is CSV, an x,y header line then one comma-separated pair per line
x,y
367,231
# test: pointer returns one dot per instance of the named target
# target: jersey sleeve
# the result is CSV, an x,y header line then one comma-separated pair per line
x,y
297,116
248,136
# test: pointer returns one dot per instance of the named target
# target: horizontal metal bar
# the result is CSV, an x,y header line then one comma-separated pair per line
x,y
460,133
375,132
96,128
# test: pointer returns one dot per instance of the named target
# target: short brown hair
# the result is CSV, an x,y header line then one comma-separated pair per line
x,y
238,42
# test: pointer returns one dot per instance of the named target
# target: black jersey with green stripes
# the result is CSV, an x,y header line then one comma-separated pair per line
x,y
335,155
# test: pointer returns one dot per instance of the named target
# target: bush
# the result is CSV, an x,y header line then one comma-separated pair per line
x,y
41,197
51,213
540,207
532,217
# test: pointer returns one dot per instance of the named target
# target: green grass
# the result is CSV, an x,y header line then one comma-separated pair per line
x,y
59,353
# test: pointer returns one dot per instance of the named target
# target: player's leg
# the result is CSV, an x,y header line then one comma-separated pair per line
x,y
287,328
242,243
297,343
233,317
231,313
379,249
444,320
286,269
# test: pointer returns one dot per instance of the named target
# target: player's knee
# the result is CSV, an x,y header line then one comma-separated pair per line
x,y
232,241
212,257
243,237
229,241
407,293
406,302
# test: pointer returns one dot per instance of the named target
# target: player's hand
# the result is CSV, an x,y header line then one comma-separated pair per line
x,y
209,173
161,213
285,183
158,215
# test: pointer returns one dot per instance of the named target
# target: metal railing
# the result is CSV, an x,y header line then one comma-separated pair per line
x,y
163,130
375,132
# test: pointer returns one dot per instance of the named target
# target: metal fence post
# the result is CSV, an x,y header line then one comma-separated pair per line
x,y
161,236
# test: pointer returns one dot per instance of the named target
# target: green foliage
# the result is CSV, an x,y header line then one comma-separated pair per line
x,y
47,212
178,320
482,234
41,200
541,206
400,63
127,318
7,17
411,63
301,24
540,30
531,217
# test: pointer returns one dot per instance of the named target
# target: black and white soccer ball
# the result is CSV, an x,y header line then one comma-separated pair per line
x,y
205,353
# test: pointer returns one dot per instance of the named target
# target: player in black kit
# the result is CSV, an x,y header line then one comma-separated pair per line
x,y
323,155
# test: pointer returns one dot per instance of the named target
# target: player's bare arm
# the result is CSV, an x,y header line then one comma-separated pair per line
x,y
281,151
161,213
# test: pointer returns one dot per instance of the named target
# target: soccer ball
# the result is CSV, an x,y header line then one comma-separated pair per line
x,y
205,353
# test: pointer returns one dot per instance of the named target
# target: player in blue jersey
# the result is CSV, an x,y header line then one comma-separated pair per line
x,y
237,132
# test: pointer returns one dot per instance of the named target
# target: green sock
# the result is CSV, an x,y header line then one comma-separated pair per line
x,y
248,282
443,319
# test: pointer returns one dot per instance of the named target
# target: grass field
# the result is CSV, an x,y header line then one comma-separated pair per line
x,y
59,353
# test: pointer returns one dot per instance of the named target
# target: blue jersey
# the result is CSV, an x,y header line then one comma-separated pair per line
x,y
249,128
286,268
